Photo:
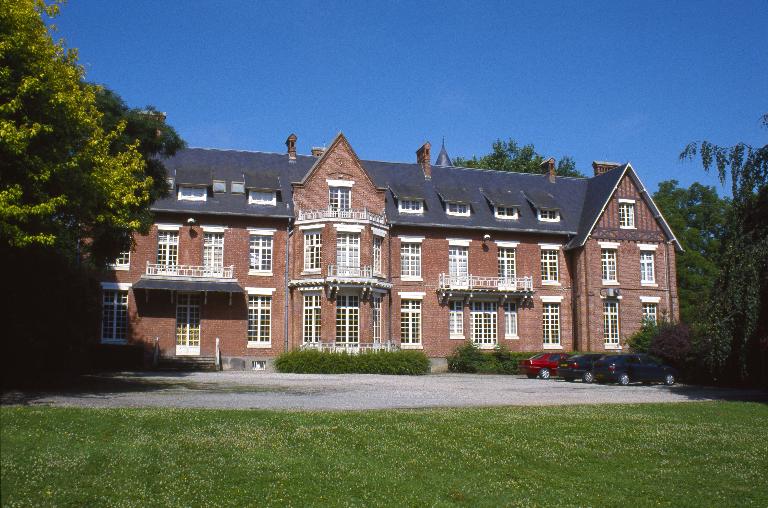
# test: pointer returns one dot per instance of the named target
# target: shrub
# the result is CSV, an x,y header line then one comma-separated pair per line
x,y
373,362
640,341
672,344
469,358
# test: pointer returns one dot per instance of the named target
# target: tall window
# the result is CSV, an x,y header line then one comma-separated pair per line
x,y
347,319
410,321
376,317
456,318
549,265
312,318
608,263
339,198
647,271
550,323
348,250
627,215
410,259
260,258
507,268
377,241
510,320
313,244
650,313
188,323
259,317
114,316
458,261
168,248
482,318
213,251
611,323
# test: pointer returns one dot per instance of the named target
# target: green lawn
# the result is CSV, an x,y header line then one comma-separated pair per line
x,y
697,454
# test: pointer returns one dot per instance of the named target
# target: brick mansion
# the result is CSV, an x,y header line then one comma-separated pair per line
x,y
253,254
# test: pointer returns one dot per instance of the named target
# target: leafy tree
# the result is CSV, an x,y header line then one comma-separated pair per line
x,y
697,216
737,339
510,156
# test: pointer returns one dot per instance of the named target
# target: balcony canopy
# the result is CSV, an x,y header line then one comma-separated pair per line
x,y
189,285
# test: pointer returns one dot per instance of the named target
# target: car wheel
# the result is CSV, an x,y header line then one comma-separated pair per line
x,y
588,377
669,380
531,376
544,374
624,379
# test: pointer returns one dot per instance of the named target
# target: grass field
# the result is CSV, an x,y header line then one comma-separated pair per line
x,y
693,454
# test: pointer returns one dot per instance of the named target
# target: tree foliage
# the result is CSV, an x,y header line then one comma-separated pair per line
x,y
697,215
736,344
510,156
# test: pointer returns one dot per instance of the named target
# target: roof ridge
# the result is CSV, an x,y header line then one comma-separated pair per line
x,y
243,151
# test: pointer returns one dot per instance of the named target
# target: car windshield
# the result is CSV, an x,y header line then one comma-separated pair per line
x,y
536,357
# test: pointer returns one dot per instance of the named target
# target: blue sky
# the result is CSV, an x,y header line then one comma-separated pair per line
x,y
595,80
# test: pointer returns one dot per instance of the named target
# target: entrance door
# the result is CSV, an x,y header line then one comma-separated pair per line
x,y
188,324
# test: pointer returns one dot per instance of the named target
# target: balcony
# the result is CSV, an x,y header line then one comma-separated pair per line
x,y
192,278
522,285
349,271
350,214
354,276
350,348
190,271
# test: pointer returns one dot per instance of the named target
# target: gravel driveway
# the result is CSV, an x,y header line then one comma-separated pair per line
x,y
243,390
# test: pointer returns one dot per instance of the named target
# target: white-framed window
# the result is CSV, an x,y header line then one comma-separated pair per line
x,y
647,268
456,319
377,243
188,320
260,253
376,316
339,198
510,320
311,326
114,316
458,209
650,313
262,197
122,261
410,260
626,214
410,321
482,319
168,248
458,261
611,324
313,244
348,250
608,264
347,319
550,324
410,206
213,251
259,319
507,269
548,215
506,212
192,193
549,271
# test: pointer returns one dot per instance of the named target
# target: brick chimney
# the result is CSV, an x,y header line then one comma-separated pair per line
x,y
549,166
424,160
601,167
317,151
291,144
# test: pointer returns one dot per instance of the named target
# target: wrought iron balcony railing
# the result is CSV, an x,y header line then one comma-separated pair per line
x,y
448,281
190,271
361,215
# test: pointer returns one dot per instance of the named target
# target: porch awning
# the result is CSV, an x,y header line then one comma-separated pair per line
x,y
189,285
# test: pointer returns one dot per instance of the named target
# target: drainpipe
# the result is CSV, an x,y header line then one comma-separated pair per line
x,y
288,233
586,316
667,289
389,278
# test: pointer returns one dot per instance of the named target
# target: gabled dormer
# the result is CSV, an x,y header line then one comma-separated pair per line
x,y
547,208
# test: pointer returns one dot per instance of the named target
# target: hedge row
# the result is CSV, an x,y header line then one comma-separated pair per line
x,y
469,358
374,362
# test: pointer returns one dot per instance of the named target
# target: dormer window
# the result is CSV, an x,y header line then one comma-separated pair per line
x,y
219,186
505,212
192,193
237,187
262,198
410,206
549,215
458,209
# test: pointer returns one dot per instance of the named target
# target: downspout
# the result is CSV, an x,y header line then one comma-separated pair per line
x,y
667,289
286,307
389,277
586,297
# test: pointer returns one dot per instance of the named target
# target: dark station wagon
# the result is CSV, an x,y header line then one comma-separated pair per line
x,y
578,367
625,369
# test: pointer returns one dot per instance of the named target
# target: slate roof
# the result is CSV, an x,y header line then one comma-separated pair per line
x,y
442,157
579,200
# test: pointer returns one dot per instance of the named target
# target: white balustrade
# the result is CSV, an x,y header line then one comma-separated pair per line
x,y
362,272
361,215
193,271
448,281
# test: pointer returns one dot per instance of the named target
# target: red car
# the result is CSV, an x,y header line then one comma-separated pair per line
x,y
543,365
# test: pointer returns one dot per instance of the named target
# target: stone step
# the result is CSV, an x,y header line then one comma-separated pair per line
x,y
186,363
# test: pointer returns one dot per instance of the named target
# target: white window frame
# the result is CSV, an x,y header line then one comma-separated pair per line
x,y
507,258
548,215
483,324
347,320
510,321
456,319
550,325
410,261
167,248
627,214
609,266
378,243
312,318
647,266
611,324
313,250
506,212
347,250
414,206
650,312
260,254
550,265
457,209
190,193
213,251
376,317
410,323
114,314
259,328
458,261
259,197
122,262
339,198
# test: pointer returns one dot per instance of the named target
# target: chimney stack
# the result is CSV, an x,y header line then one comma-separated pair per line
x,y
291,144
549,166
423,159
317,151
601,167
